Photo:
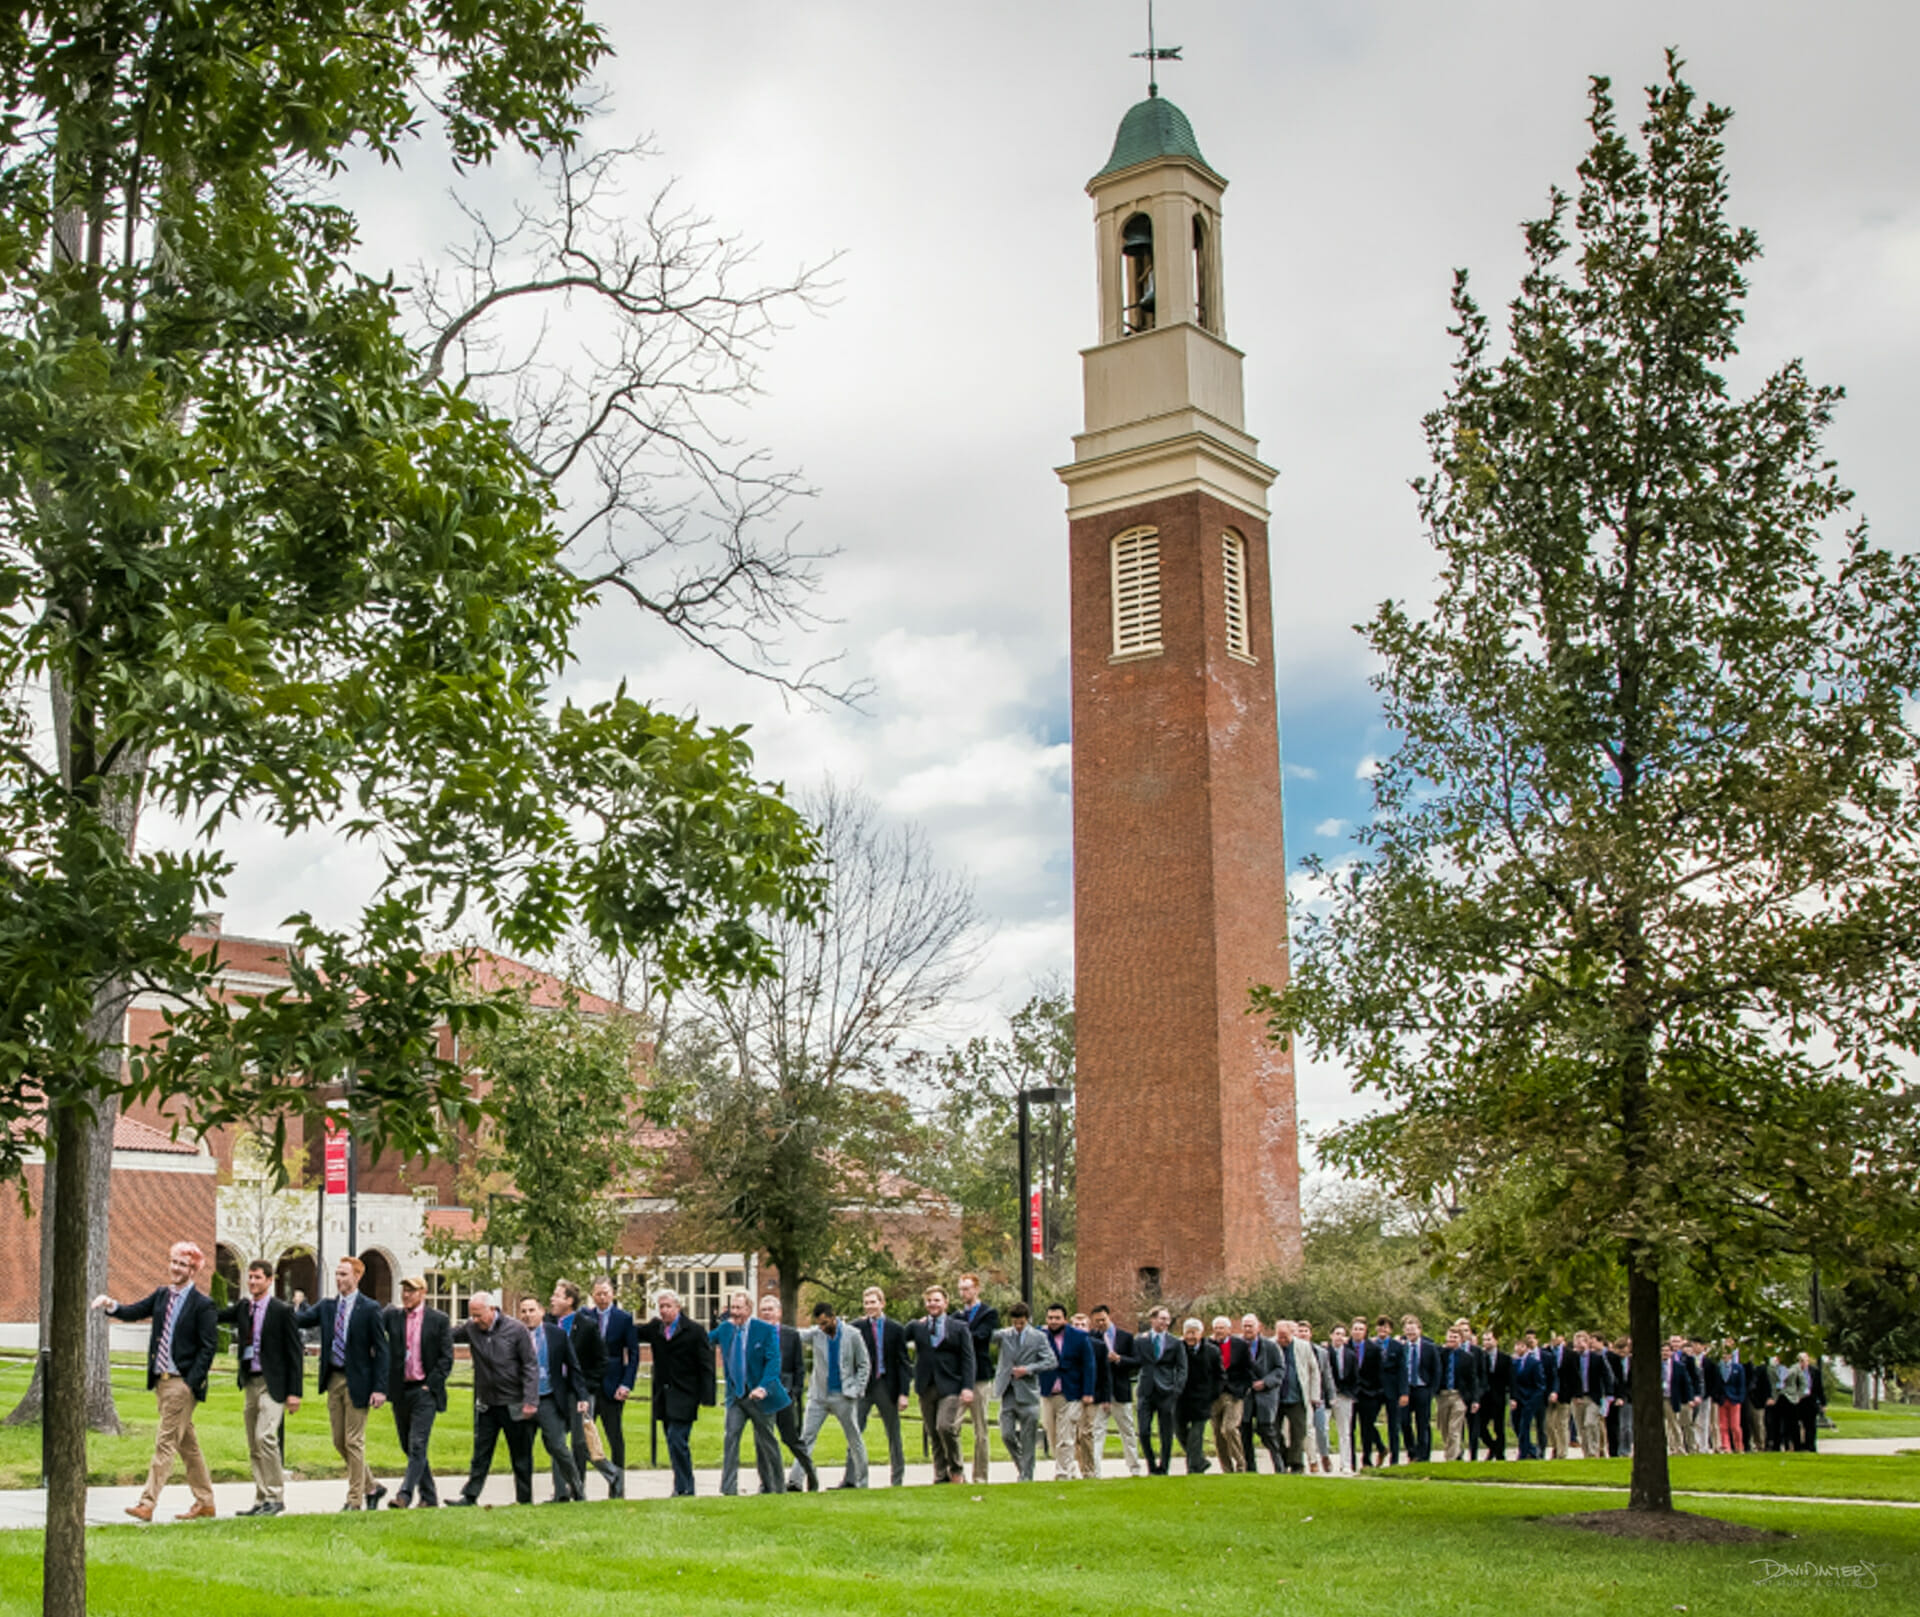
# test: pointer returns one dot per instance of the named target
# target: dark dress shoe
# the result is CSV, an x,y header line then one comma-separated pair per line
x,y
398,1502
461,1499
257,1508
271,1507
374,1498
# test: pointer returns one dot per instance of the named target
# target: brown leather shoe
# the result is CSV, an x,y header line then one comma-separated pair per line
x,y
140,1513
198,1512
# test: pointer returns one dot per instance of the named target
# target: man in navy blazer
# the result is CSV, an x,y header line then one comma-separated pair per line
x,y
1067,1390
944,1375
621,1338
563,1395
1419,1380
180,1351
1530,1398
887,1386
749,1348
1383,1366
354,1373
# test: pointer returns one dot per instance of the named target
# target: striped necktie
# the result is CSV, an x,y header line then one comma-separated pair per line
x,y
163,1355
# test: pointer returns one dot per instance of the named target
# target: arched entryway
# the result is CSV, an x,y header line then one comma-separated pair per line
x,y
294,1272
228,1267
377,1282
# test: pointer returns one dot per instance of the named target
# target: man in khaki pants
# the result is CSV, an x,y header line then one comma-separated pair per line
x,y
353,1373
186,1335
272,1368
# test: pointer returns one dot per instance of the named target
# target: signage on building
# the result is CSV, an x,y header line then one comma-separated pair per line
x,y
1037,1223
336,1158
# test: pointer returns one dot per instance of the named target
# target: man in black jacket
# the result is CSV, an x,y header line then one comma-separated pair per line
x,y
180,1350
353,1373
943,1375
793,1378
887,1386
419,1359
1496,1395
1236,1392
591,1351
272,1370
1197,1393
684,1381
1115,1346
983,1320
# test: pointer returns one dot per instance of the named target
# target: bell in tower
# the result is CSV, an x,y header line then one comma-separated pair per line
x,y
1188,1156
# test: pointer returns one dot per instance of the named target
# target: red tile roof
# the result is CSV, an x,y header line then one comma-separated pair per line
x,y
130,1135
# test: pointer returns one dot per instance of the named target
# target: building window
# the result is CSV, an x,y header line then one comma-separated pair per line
x,y
1136,265
1136,593
450,1297
1233,567
703,1292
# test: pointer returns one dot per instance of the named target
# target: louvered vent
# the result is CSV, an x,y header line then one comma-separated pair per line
x,y
1136,592
1233,566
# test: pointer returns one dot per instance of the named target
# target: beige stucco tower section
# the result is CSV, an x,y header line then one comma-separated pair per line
x,y
1188,1157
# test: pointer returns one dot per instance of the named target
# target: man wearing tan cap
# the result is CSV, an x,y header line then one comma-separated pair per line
x,y
354,1373
419,1357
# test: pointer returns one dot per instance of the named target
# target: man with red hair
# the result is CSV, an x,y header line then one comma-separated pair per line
x,y
354,1366
180,1352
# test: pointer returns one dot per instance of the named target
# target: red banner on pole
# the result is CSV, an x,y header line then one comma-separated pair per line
x,y
336,1158
1037,1224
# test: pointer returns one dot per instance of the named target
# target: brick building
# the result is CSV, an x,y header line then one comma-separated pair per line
x,y
1188,1170
167,1189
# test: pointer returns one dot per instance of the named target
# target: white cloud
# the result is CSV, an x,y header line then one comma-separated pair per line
x,y
1367,768
1333,828
1301,772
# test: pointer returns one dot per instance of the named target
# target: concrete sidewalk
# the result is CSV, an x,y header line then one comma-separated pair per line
x,y
106,1507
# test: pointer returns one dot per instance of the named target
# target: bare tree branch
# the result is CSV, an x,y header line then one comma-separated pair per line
x,y
609,342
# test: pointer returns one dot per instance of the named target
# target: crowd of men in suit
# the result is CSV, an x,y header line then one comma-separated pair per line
x,y
567,1372
1558,1394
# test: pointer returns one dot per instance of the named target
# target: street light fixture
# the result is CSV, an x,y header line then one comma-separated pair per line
x,y
1029,1098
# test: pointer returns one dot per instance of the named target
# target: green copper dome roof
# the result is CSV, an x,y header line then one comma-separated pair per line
x,y
1152,129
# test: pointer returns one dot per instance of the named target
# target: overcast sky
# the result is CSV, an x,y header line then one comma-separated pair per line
x,y
942,152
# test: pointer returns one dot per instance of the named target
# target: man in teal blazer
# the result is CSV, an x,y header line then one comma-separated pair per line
x,y
749,1350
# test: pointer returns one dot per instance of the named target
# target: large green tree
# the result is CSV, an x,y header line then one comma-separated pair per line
x,y
263,560
790,1141
1629,952
563,1105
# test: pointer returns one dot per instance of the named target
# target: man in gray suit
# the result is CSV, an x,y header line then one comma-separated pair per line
x,y
1258,1420
1163,1373
841,1368
1024,1353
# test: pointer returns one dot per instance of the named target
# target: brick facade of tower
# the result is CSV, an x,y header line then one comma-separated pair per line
x,y
1188,1167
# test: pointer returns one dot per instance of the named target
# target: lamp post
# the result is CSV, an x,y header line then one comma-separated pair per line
x,y
1028,1098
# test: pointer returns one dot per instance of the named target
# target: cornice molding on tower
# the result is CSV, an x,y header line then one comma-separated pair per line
x,y
1194,461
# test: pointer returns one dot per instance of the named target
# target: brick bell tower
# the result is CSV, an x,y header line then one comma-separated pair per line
x,y
1188,1171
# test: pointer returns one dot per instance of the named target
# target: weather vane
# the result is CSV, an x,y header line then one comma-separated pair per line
x,y
1155,53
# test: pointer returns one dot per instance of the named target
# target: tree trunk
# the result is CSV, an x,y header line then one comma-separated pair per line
x,y
102,1415
64,1433
1863,1389
1651,1487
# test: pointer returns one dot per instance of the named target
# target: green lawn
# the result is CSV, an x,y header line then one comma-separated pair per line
x,y
1234,1544
1891,1420
1829,1476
